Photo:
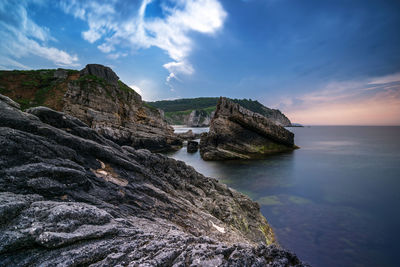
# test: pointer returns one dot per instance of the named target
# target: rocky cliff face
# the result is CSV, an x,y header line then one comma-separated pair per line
x,y
276,116
70,197
199,118
190,118
97,97
238,133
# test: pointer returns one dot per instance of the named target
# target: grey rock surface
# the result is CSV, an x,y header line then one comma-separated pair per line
x,y
70,197
9,101
101,71
188,135
238,133
199,118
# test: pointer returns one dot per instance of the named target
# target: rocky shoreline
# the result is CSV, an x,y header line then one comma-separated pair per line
x,y
70,197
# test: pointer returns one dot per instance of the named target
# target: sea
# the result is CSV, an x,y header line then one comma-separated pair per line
x,y
333,202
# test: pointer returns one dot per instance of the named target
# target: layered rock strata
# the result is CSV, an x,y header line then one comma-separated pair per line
x,y
238,133
70,197
199,118
97,97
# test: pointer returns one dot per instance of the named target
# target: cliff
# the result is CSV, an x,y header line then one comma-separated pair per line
x,y
97,97
238,133
198,112
70,197
273,114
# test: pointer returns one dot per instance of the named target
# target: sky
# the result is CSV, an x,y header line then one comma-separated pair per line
x,y
321,62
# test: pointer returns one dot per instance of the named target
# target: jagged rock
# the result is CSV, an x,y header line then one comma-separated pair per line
x,y
192,146
238,133
199,118
276,116
70,197
96,97
101,71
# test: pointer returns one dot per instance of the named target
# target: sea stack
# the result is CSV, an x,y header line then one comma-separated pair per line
x,y
238,133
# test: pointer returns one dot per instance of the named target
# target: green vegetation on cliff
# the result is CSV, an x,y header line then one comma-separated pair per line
x,y
185,104
177,111
29,88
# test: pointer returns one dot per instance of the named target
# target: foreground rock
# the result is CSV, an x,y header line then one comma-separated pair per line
x,y
70,197
97,97
238,133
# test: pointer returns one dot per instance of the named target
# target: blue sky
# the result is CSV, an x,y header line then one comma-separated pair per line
x,y
320,62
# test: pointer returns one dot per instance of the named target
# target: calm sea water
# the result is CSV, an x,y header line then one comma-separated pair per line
x,y
334,202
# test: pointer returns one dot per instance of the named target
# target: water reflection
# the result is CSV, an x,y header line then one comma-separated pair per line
x,y
334,201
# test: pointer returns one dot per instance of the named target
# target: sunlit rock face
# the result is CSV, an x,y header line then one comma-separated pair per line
x,y
97,97
70,197
238,133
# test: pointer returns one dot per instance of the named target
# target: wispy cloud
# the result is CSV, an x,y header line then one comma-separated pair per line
x,y
171,32
148,89
21,36
372,101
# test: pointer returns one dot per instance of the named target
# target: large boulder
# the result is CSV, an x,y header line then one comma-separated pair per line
x,y
238,133
70,197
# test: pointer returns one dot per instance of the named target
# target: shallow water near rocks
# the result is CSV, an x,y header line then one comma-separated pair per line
x,y
334,202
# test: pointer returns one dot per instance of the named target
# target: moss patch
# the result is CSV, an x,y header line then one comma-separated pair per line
x,y
30,88
268,234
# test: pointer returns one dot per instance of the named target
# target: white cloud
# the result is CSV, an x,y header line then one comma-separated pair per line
x,y
176,67
386,79
169,33
21,37
148,89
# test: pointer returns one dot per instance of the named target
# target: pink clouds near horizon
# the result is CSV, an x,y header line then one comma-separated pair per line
x,y
373,101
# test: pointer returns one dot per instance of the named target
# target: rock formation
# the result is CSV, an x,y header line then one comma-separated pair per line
x,y
198,118
192,146
70,197
238,133
102,72
96,97
188,135
198,112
